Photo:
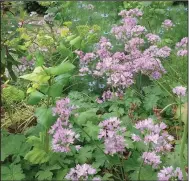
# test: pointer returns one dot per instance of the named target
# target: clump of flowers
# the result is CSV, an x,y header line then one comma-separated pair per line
x,y
112,133
82,172
151,158
63,135
108,95
167,24
119,69
169,173
182,47
157,139
179,91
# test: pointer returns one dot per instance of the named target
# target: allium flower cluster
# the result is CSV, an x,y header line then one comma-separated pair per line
x,y
108,95
150,158
155,136
112,133
179,91
81,172
120,68
169,173
182,47
152,38
63,135
167,24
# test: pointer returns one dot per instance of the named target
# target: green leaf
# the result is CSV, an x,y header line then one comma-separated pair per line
x,y
39,59
35,97
14,145
61,81
76,42
150,101
12,172
39,75
37,156
45,116
44,175
61,173
63,68
92,130
89,115
100,158
85,153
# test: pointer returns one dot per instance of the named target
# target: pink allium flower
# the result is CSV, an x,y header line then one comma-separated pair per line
x,y
152,38
182,53
167,24
183,43
155,134
179,91
80,172
111,132
168,173
151,158
136,138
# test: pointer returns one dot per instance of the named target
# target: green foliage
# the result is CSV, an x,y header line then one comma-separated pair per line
x,y
12,172
11,94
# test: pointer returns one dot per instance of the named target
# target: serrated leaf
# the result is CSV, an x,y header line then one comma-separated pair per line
x,y
150,101
44,175
62,173
85,153
37,156
92,130
12,172
14,145
45,116
89,115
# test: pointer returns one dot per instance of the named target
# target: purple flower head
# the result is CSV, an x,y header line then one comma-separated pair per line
x,y
167,24
150,158
179,91
168,173
112,133
152,38
81,172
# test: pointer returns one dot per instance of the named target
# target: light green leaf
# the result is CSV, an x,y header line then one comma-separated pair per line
x,y
44,175
35,97
12,172
37,156
45,117
85,153
63,68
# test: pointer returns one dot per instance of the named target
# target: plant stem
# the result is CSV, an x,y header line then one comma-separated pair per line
x,y
183,141
180,120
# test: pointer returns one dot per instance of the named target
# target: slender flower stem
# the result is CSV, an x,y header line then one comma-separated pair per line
x,y
180,120
183,141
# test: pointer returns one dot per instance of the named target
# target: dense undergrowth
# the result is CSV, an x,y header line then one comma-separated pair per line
x,y
94,91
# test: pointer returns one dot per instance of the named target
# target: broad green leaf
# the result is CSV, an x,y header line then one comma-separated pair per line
x,y
14,145
39,59
71,37
35,97
150,101
37,156
61,173
45,117
63,68
39,75
76,42
44,175
92,130
85,153
89,115
12,172
61,81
